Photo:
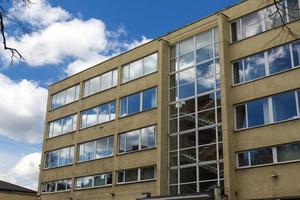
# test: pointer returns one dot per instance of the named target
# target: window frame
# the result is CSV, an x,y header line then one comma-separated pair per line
x,y
77,96
138,175
93,181
51,123
56,182
58,151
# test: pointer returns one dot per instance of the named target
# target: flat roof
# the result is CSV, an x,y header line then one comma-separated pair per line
x,y
9,187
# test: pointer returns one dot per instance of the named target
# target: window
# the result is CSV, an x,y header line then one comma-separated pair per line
x,y
100,180
137,140
60,157
296,53
65,97
96,149
138,102
62,126
279,59
284,106
57,186
288,152
97,115
136,175
258,112
140,68
252,24
100,83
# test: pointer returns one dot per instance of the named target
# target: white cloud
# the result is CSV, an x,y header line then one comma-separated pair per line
x,y
22,108
25,173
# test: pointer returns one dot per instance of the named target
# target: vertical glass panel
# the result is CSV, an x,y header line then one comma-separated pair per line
x,y
279,59
81,152
148,137
188,188
125,70
187,140
173,176
274,16
121,176
173,125
83,119
284,106
61,98
134,103
94,85
50,130
131,175
70,97
100,180
261,156
115,78
207,136
51,187
110,146
173,110
86,88
206,102
61,185
101,148
64,156
104,113
206,84
91,118
207,153
78,183
69,184
254,67
204,53
149,99
235,31
150,64
89,150
173,65
243,159
252,23
122,143
186,76
132,141
188,175
238,72
109,178
293,9
67,124
123,106
71,158
240,112
53,158
136,69
106,81
147,173
173,158
186,60
187,107
188,156
205,69
173,80
186,90
173,143
208,172
112,109
208,187
288,152
186,46
296,53
187,122
87,182
204,39
206,118
57,127
258,112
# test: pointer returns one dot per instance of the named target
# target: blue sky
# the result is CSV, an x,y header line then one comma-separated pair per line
x,y
65,37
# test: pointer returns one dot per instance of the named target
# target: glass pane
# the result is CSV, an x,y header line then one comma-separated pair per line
x,y
206,102
279,59
173,110
89,151
51,187
69,184
125,75
136,69
238,72
204,54
132,141
57,127
252,23
149,99
112,110
207,118
99,180
275,16
188,188
187,140
288,152
296,53
187,107
173,125
258,112
173,80
188,175
205,69
240,116
106,81
134,103
208,172
147,173
173,176
255,67
235,31
186,46
261,156
188,156
94,85
173,65
60,99
67,124
109,178
187,122
284,106
64,156
150,64
86,88
131,175
293,9
174,94
101,148
204,39
123,109
110,146
173,143
207,153
187,76
206,84
122,139
243,159
148,137
115,78
61,185
186,60
104,113
87,182
91,118
186,90
71,92
121,177
173,158
53,159
207,136
208,187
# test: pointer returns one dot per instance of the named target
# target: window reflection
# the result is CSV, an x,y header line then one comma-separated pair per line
x,y
279,59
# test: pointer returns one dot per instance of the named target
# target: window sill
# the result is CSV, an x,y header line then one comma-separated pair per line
x,y
91,188
269,164
85,161
264,125
134,182
136,151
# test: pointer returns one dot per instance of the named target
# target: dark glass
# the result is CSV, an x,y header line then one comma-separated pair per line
x,y
131,175
134,103
293,9
187,140
238,72
207,153
187,107
240,116
51,187
288,152
173,125
173,158
61,185
261,156
284,106
121,177
234,31
109,178
187,122
173,176
173,110
188,188
258,112
243,159
208,187
132,141
208,172
255,67
188,175
296,53
279,59
173,94
173,143
206,118
173,80
207,136
173,190
188,156
147,173
206,102
204,53
173,65
99,180
149,99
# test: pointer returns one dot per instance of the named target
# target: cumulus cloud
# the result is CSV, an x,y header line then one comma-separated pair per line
x,y
22,108
25,173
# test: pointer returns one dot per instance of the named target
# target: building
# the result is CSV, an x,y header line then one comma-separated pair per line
x,y
10,191
214,104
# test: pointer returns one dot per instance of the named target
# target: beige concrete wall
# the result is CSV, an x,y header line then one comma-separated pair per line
x,y
17,196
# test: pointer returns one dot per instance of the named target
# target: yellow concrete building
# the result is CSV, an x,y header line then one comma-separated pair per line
x,y
213,106
10,191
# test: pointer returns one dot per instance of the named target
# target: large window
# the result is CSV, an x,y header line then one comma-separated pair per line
x,y
269,155
265,19
97,115
96,149
136,175
99,180
140,68
137,140
59,157
65,97
101,83
57,186
138,102
266,63
62,126
257,112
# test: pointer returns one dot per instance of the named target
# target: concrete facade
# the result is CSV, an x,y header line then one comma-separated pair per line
x,y
248,183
